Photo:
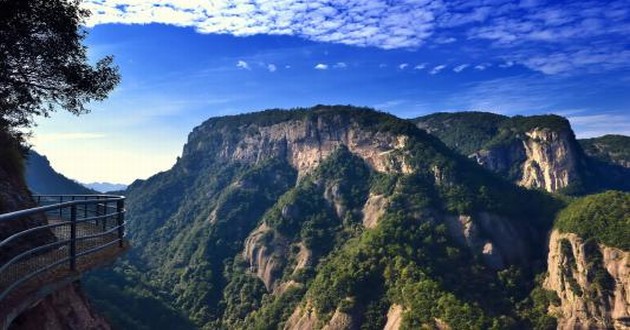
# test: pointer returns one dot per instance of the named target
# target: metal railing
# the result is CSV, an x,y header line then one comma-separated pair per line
x,y
77,226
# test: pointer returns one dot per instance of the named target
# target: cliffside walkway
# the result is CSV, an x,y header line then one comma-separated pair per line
x,y
63,237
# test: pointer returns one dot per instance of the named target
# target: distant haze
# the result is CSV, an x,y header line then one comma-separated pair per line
x,y
105,186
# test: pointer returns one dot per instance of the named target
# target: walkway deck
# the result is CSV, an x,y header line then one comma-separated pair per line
x,y
91,252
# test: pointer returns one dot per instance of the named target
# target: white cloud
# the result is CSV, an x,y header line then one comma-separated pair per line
x,y
443,41
523,32
420,66
242,65
321,66
437,69
482,66
460,68
403,66
587,126
340,65
359,22
272,67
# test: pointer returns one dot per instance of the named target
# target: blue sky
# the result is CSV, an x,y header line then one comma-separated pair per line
x,y
183,61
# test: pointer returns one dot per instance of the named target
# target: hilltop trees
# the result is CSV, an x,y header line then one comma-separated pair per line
x,y
43,62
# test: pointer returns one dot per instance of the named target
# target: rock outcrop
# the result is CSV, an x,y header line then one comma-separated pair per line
x,y
304,143
394,317
542,158
266,254
65,309
497,240
550,162
592,282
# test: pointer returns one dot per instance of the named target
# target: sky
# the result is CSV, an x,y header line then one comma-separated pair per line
x,y
184,61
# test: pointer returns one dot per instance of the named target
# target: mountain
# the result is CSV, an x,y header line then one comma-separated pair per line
x,y
613,149
535,151
588,263
331,217
105,186
43,179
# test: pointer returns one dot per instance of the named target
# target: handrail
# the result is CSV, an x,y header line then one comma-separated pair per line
x,y
40,209
87,234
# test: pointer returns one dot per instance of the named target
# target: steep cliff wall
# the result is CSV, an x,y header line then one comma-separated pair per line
x,y
304,143
542,158
319,216
66,309
592,281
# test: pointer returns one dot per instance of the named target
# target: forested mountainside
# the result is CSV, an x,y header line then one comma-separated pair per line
x,y
589,263
535,151
331,217
608,148
43,179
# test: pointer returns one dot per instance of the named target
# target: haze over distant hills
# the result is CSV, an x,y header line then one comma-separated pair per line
x,y
105,186
41,178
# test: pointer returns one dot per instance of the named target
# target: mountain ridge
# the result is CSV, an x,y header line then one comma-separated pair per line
x,y
281,250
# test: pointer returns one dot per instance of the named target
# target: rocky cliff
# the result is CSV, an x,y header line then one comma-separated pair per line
x,y
66,309
536,152
592,281
541,158
327,217
589,263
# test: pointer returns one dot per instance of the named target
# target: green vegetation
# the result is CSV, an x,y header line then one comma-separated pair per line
x,y
604,217
608,148
190,225
466,132
498,141
43,41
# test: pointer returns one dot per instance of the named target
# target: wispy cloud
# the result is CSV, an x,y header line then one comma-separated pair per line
x,y
403,66
587,126
437,69
68,136
553,38
242,65
421,66
460,68
321,66
272,67
340,65
483,66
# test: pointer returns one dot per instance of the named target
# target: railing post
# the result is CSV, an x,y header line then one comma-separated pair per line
x,y
120,208
105,216
85,207
73,237
60,208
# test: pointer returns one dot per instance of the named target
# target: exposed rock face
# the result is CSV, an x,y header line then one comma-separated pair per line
x,y
304,143
550,162
302,318
394,317
592,282
543,158
266,255
66,309
373,210
305,318
498,241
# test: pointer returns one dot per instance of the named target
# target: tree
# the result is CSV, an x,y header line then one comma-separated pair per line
x,y
43,62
